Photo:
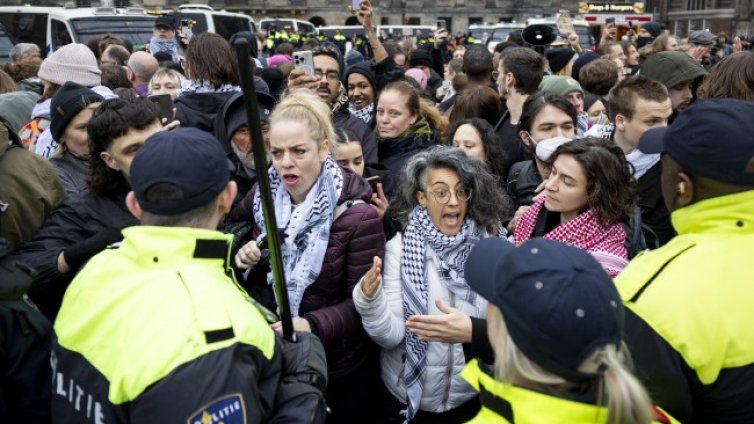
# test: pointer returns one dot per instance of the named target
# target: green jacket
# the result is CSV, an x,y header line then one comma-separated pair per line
x,y
29,190
689,319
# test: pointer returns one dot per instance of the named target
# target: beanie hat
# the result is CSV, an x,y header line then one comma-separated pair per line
x,y
560,85
420,57
363,68
559,58
419,76
278,59
654,28
72,62
274,79
251,40
353,57
581,62
70,99
671,68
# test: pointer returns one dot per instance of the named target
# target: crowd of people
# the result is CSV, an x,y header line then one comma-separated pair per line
x,y
529,235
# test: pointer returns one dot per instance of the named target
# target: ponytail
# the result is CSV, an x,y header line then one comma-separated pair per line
x,y
627,401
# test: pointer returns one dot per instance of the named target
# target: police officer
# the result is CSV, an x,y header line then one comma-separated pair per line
x,y
156,330
689,303
340,40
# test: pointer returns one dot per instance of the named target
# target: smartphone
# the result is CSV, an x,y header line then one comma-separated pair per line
x,y
610,21
373,181
440,23
186,29
355,5
303,60
165,105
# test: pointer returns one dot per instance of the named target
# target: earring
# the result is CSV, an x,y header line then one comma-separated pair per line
x,y
681,188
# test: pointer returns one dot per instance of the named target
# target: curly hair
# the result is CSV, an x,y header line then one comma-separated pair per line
x,y
482,102
113,119
611,188
488,205
24,68
599,76
495,156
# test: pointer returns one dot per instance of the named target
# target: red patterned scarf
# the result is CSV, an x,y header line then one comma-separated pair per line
x,y
606,244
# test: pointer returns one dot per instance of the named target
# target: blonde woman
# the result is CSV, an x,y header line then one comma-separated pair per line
x,y
555,323
166,81
71,109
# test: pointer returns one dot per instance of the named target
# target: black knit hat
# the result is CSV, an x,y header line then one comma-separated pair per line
x,y
654,28
70,99
363,68
420,57
559,58
581,62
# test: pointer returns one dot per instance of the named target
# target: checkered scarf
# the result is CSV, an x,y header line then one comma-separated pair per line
x,y
451,254
306,226
606,244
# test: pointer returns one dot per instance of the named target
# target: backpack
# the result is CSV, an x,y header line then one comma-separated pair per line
x,y
636,241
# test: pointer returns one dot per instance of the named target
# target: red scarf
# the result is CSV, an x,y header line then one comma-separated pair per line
x,y
606,244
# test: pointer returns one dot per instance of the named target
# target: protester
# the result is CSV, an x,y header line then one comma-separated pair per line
x,y
406,125
419,309
700,44
636,105
163,38
72,62
647,33
327,84
166,81
632,57
23,51
115,77
181,190
114,54
698,368
732,77
679,73
72,108
86,223
599,76
331,235
587,196
555,322
477,139
571,90
142,66
561,60
545,117
478,102
519,75
595,110
234,134
213,78
477,66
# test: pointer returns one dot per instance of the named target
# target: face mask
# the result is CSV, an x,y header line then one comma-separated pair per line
x,y
545,148
643,41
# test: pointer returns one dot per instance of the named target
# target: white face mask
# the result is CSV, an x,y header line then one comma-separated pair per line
x,y
545,148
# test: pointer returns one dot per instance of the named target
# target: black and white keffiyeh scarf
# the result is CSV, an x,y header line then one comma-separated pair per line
x,y
365,113
451,254
306,226
204,86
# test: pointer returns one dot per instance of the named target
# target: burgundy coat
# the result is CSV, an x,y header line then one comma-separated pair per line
x,y
356,236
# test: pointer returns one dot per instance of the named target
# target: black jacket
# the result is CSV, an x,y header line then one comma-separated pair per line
x,y
523,180
654,213
78,218
343,119
394,153
198,110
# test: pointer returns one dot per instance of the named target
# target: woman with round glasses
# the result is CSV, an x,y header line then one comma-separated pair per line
x,y
420,309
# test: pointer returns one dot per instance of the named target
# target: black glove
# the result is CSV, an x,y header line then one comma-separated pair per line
x,y
300,396
77,254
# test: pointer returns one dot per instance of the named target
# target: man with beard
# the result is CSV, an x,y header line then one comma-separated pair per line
x,y
232,130
326,83
519,75
679,73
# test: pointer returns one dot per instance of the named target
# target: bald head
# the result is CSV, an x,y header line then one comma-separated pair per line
x,y
143,65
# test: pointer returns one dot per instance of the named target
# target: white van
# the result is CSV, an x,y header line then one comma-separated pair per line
x,y
289,25
53,27
481,32
206,19
500,33
402,31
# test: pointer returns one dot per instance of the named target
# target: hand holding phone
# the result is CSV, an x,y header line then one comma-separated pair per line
x,y
304,60
165,105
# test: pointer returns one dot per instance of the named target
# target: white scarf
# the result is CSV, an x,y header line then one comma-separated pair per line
x,y
365,113
451,253
204,86
306,226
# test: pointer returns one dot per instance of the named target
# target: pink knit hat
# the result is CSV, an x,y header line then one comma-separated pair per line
x,y
277,59
72,62
418,75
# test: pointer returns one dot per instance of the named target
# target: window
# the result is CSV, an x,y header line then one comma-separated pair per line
x,y
25,28
198,22
137,30
229,25
60,34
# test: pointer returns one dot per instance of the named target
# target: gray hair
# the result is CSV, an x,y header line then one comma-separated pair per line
x,y
19,50
488,204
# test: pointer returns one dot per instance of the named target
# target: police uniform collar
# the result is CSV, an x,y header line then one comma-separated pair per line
x,y
175,242
730,214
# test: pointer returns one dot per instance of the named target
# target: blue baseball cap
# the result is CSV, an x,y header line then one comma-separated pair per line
x,y
711,138
558,304
189,159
